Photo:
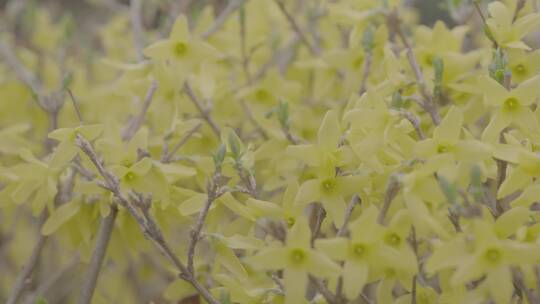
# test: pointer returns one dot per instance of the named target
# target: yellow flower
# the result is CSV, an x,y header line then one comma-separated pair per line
x,y
510,107
297,259
181,47
507,32
369,249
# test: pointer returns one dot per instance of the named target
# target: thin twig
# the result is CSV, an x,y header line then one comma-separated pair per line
x,y
296,27
489,34
20,70
168,156
522,286
365,72
220,20
24,275
252,119
243,46
323,290
519,6
413,292
213,193
348,212
204,113
76,106
148,227
137,122
52,280
428,104
392,189
98,255
320,214
415,122
135,10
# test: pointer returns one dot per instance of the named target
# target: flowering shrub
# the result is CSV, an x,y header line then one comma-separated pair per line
x,y
271,152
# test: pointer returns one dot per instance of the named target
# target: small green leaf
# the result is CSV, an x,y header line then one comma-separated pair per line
x,y
219,156
41,300
224,297
368,39
449,190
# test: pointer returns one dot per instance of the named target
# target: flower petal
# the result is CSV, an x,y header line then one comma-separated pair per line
x,y
295,282
354,278
329,132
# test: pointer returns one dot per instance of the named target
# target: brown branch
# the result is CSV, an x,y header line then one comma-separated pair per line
x,y
168,156
148,226
19,69
296,27
213,192
520,284
98,255
323,290
204,113
136,123
252,119
135,10
320,214
365,72
52,280
519,6
348,212
415,122
428,103
489,34
223,16
413,292
392,189
76,106
24,275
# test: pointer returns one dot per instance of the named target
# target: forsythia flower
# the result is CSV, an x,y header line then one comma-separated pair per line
x,y
298,260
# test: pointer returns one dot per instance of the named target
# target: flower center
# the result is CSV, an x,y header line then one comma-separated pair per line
x,y
328,185
492,255
290,221
262,94
297,256
442,149
129,176
357,63
511,104
519,69
393,239
180,49
359,250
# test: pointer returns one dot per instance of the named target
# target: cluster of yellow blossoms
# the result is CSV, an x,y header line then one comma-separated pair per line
x,y
273,152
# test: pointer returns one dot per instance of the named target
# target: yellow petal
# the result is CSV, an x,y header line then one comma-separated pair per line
x,y
449,130
300,235
269,259
295,282
308,192
335,248
329,132
321,266
508,223
354,278
63,154
517,179
499,283
59,217
498,122
180,30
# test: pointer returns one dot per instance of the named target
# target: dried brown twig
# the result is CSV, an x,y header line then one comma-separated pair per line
x,y
148,226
